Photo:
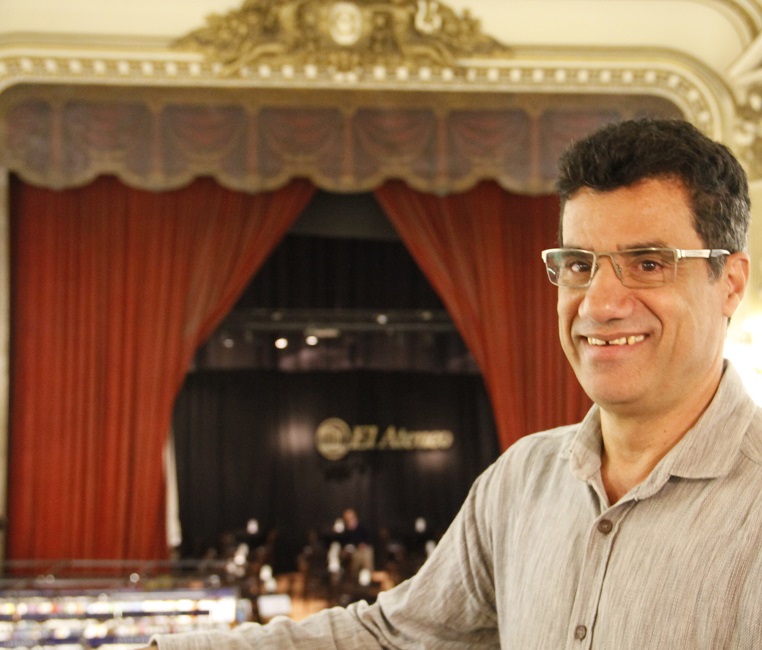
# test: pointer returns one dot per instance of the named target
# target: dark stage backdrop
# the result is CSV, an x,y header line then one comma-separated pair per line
x,y
245,445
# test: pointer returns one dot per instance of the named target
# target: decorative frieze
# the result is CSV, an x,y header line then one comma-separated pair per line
x,y
345,36
681,85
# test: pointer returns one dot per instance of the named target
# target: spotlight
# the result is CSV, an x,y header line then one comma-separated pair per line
x,y
311,340
281,343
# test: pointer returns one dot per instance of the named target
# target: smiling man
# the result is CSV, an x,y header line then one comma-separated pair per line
x,y
641,526
645,331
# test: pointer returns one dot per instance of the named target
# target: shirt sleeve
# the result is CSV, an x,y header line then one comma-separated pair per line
x,y
448,605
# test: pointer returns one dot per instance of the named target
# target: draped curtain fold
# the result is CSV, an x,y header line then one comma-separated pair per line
x,y
480,250
113,289
348,141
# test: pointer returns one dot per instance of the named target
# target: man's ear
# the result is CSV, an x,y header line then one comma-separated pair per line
x,y
735,277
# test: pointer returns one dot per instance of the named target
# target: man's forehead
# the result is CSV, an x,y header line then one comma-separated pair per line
x,y
655,213
642,187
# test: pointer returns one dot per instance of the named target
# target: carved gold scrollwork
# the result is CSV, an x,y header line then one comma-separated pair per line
x,y
747,134
346,35
747,130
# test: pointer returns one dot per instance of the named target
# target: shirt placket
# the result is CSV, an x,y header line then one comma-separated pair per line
x,y
601,538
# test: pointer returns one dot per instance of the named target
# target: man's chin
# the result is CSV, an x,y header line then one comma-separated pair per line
x,y
610,394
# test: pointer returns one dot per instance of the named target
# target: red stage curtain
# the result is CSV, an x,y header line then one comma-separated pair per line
x,y
113,290
481,252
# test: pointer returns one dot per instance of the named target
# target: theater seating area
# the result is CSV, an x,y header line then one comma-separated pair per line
x,y
120,604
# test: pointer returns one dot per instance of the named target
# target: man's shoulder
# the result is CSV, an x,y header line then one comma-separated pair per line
x,y
534,463
751,447
539,449
552,441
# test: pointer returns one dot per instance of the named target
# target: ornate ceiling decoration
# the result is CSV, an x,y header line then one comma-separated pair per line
x,y
347,36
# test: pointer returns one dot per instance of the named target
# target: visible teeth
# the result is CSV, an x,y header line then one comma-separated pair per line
x,y
625,340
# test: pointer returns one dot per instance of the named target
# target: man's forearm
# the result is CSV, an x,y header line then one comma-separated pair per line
x,y
332,629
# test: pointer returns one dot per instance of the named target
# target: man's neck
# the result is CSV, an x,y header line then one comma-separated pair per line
x,y
636,438
630,455
633,446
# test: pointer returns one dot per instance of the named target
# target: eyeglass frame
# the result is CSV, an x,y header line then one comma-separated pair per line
x,y
679,254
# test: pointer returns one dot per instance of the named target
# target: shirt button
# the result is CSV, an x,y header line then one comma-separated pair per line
x,y
605,526
580,632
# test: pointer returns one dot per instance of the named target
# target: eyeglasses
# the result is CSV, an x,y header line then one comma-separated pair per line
x,y
636,268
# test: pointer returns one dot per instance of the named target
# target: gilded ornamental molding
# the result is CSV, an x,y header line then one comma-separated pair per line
x,y
346,36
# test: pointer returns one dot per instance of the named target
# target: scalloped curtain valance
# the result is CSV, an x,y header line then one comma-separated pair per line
x,y
257,140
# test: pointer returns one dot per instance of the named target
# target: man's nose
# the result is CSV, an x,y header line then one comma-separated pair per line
x,y
606,297
616,268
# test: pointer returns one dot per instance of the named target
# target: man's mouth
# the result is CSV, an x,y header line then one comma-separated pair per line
x,y
624,340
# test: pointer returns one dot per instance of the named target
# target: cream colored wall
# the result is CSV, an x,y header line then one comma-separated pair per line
x,y
76,20
754,297
744,344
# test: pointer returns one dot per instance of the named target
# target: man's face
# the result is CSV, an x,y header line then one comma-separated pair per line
x,y
644,351
350,519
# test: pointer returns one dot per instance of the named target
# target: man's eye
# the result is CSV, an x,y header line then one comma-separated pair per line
x,y
650,265
578,266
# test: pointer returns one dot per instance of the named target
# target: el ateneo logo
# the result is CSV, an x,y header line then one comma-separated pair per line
x,y
334,439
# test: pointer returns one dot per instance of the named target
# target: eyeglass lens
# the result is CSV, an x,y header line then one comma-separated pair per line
x,y
635,268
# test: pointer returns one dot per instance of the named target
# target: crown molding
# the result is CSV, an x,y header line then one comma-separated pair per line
x,y
700,95
747,12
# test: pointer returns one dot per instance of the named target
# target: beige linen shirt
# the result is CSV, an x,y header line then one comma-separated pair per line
x,y
538,559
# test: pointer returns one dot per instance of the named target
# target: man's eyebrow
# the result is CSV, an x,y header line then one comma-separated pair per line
x,y
660,243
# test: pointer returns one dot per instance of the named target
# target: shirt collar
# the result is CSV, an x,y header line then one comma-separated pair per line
x,y
584,449
709,450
